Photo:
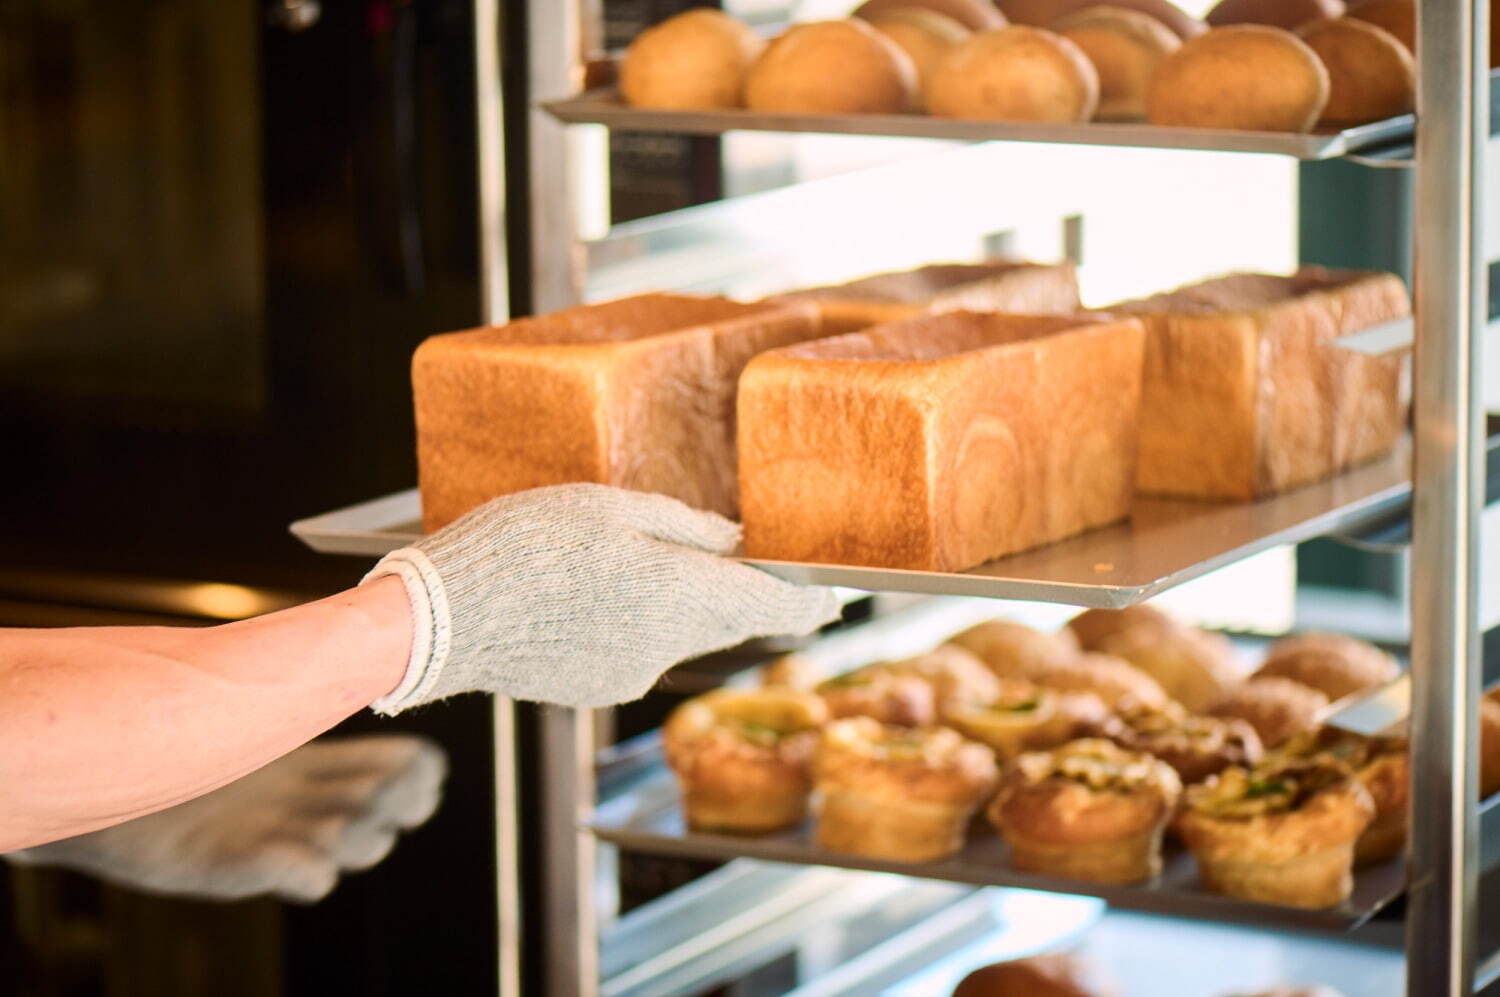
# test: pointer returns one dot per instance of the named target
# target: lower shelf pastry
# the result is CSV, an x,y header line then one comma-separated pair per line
x,y
1195,746
1014,650
1114,680
905,794
1087,810
875,691
1334,664
1194,667
1281,833
743,759
1093,627
1382,766
1023,716
1276,707
1054,975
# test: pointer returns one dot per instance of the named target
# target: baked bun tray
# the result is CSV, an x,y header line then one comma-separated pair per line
x,y
604,107
1165,543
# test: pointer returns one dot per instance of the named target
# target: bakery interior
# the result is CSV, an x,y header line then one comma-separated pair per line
x,y
1207,566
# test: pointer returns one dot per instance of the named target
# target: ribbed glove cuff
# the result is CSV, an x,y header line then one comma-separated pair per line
x,y
432,627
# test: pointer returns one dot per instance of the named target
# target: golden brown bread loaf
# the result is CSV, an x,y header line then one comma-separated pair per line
x,y
637,393
832,67
695,60
1244,77
1244,397
1041,13
938,443
1056,975
1125,47
1399,17
976,15
1015,74
924,35
1288,15
1371,75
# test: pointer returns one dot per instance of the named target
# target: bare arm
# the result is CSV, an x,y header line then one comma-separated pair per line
x,y
101,725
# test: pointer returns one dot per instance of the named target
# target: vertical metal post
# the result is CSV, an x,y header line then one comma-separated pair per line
x,y
1453,115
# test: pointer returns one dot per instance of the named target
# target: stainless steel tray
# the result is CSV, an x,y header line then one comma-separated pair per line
x,y
604,107
1165,542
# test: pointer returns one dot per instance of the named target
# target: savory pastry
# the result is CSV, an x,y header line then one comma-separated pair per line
x,y
1115,681
1246,77
696,60
1015,74
1195,667
1044,12
1489,747
1282,833
975,15
1057,974
1399,17
924,35
832,67
1023,716
1335,665
898,793
1371,75
1195,746
1093,626
1014,650
1286,14
1382,766
1125,47
744,758
892,697
794,671
1087,810
954,674
1276,707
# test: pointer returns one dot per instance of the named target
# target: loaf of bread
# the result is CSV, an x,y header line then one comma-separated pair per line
x,y
995,286
940,442
1243,395
637,393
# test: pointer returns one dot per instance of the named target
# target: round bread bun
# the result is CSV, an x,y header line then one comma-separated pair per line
x,y
924,35
1371,75
1399,17
1015,74
1334,664
1014,650
1195,667
1125,47
1041,13
1056,975
1093,626
1489,747
1276,707
1246,77
1287,14
1115,681
695,60
832,67
976,15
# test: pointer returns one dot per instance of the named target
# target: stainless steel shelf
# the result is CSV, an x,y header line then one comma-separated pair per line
x,y
1165,542
604,107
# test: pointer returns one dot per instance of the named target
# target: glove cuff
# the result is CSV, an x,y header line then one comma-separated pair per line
x,y
431,628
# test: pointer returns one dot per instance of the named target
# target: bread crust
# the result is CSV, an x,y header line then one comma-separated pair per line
x,y
996,286
1125,47
1333,664
1115,681
1244,77
1276,707
975,15
1289,15
1015,74
832,67
924,35
1398,17
1041,13
1053,975
1093,626
938,444
1195,667
1195,746
1371,75
1014,650
696,60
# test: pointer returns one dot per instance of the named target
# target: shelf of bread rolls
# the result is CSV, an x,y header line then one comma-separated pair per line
x,y
1126,756
1295,78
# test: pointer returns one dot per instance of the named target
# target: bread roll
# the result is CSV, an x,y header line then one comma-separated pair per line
x,y
1040,13
696,60
1092,627
1246,77
1371,75
637,393
924,35
1399,17
1015,74
1277,708
1125,47
1286,14
1055,975
832,67
976,15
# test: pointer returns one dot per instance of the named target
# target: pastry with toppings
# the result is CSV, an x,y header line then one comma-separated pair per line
x,y
1335,665
898,793
1023,716
875,691
1087,810
1194,667
1280,833
954,674
1115,681
743,758
1276,707
1014,650
1382,766
1195,746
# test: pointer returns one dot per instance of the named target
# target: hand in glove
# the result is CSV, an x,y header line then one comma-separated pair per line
x,y
581,595
288,828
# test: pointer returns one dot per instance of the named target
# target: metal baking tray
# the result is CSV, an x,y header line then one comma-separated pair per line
x,y
1164,543
604,107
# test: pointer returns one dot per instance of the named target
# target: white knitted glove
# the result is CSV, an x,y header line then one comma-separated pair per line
x,y
581,595
287,828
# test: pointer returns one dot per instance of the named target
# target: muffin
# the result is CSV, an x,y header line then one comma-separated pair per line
x,y
832,67
1087,810
1014,650
1115,681
743,759
1092,627
1015,74
1195,746
1382,766
877,692
1282,833
1053,975
1194,667
1335,665
1023,716
1276,707
696,60
898,793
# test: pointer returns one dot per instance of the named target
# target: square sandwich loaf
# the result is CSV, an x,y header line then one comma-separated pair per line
x,y
940,442
1243,394
637,393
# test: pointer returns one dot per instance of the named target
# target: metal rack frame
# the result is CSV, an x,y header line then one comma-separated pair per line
x,y
1451,311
